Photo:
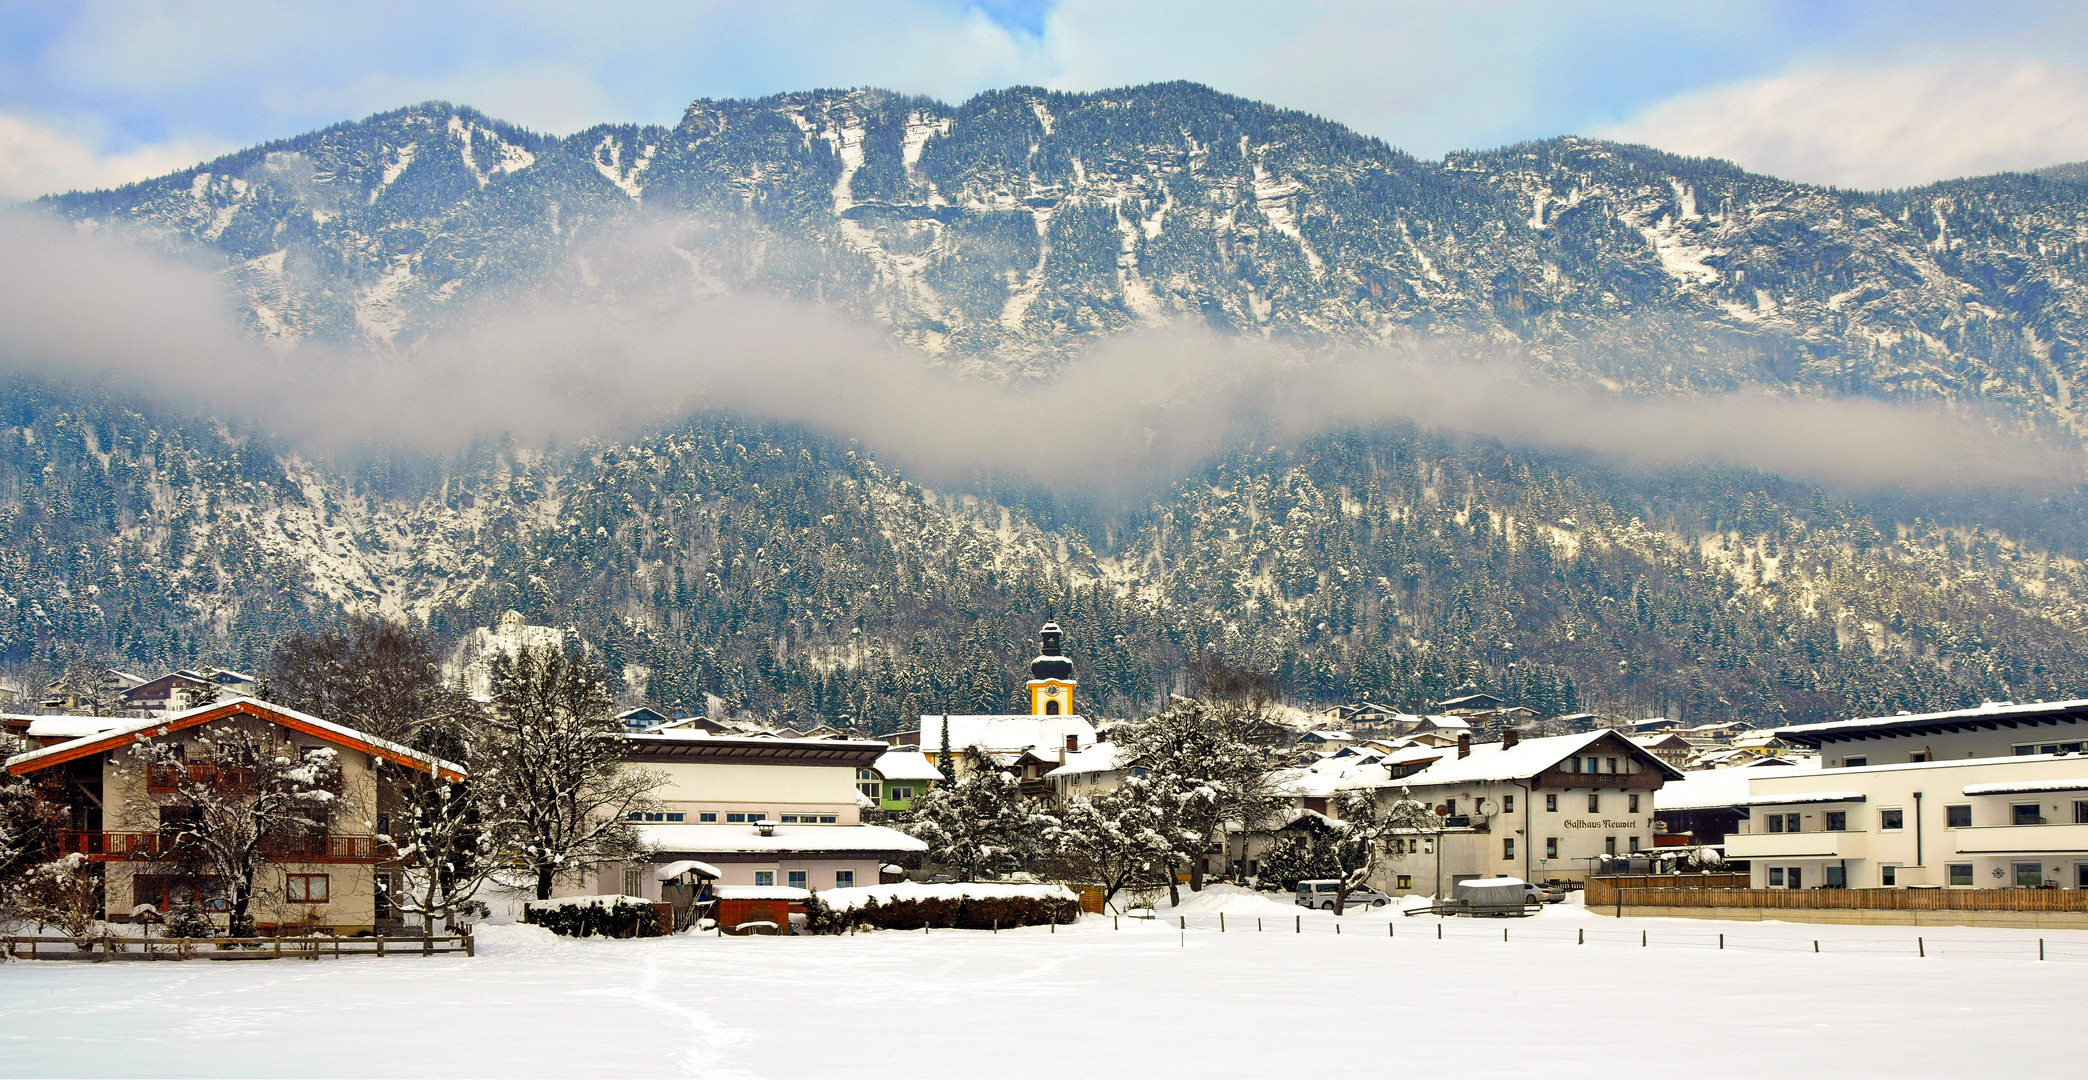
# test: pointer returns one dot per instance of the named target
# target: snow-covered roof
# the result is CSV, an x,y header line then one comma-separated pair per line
x,y
677,838
2027,787
72,727
1493,882
1811,733
1528,757
1704,789
1099,758
906,765
1012,732
1802,797
683,866
862,895
131,731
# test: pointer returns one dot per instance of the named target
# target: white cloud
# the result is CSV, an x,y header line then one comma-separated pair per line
x,y
1881,127
37,159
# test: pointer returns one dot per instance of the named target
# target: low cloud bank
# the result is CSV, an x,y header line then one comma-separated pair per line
x,y
1134,412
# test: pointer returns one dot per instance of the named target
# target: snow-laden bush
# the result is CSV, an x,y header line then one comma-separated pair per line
x,y
595,916
959,907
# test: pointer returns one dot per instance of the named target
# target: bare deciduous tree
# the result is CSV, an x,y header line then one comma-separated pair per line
x,y
557,781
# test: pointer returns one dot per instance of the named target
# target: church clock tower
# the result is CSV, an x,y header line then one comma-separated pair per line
x,y
1051,677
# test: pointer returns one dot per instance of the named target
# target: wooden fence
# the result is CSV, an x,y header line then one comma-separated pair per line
x,y
230,948
1853,899
1602,891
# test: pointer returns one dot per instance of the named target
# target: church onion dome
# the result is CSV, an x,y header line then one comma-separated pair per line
x,y
1052,664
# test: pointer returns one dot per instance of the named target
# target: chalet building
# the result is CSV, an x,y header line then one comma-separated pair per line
x,y
1990,797
1090,771
762,811
128,820
1552,809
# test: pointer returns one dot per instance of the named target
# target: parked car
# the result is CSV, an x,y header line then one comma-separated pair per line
x,y
1320,893
1544,894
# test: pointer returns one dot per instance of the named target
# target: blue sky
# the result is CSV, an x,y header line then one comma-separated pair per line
x,y
1861,94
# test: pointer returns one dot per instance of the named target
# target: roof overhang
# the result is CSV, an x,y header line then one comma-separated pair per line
x,y
668,750
146,730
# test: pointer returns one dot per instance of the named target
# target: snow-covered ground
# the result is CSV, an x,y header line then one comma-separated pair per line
x,y
1148,999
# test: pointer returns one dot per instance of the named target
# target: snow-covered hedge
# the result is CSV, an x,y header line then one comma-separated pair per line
x,y
973,906
595,916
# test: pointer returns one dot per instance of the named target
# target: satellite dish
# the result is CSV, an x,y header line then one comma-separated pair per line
x,y
1486,807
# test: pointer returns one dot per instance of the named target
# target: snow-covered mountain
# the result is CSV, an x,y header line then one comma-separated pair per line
x,y
796,576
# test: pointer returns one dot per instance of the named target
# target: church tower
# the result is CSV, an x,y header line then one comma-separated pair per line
x,y
1051,677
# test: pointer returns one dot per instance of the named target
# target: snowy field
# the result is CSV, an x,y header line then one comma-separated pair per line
x,y
1148,999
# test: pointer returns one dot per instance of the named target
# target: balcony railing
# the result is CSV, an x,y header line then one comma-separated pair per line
x,y
147,846
162,779
1822,844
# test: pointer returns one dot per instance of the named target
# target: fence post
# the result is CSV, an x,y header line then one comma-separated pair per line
x,y
1257,924
380,944
1816,944
1116,922
1337,929
279,944
2040,948
1391,930
1221,922
1580,936
1920,947
1504,935
1721,942
1300,927
1439,931
1642,939
1185,922
470,943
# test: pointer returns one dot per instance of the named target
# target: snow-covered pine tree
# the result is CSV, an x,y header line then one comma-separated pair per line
x,y
559,784
232,799
980,820
1291,858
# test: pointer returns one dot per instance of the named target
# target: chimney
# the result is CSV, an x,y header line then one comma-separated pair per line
x,y
1464,746
1509,738
765,827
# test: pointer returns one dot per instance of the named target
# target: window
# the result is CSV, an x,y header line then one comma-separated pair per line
x,y
1855,762
655,816
384,824
1958,873
1794,877
736,817
1888,876
1551,847
305,888
1775,822
1837,877
2026,814
1957,817
870,790
1835,821
1594,803
1405,881
825,819
2029,875
634,883
1776,877
844,879
1612,762
1790,823
384,891
764,877
1507,804
797,879
1634,843
790,819
1892,819
1551,804
1609,845
2081,811
1631,802
902,794
1573,765
712,816
1918,755
1508,847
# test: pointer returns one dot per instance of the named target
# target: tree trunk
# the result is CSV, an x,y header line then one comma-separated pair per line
x,y
544,876
1196,874
1174,886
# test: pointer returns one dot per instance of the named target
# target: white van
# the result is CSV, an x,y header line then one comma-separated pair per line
x,y
1320,893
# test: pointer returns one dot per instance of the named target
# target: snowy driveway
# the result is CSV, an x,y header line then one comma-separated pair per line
x,y
1146,1000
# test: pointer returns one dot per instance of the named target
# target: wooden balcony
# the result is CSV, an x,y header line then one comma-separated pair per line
x,y
151,846
165,779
